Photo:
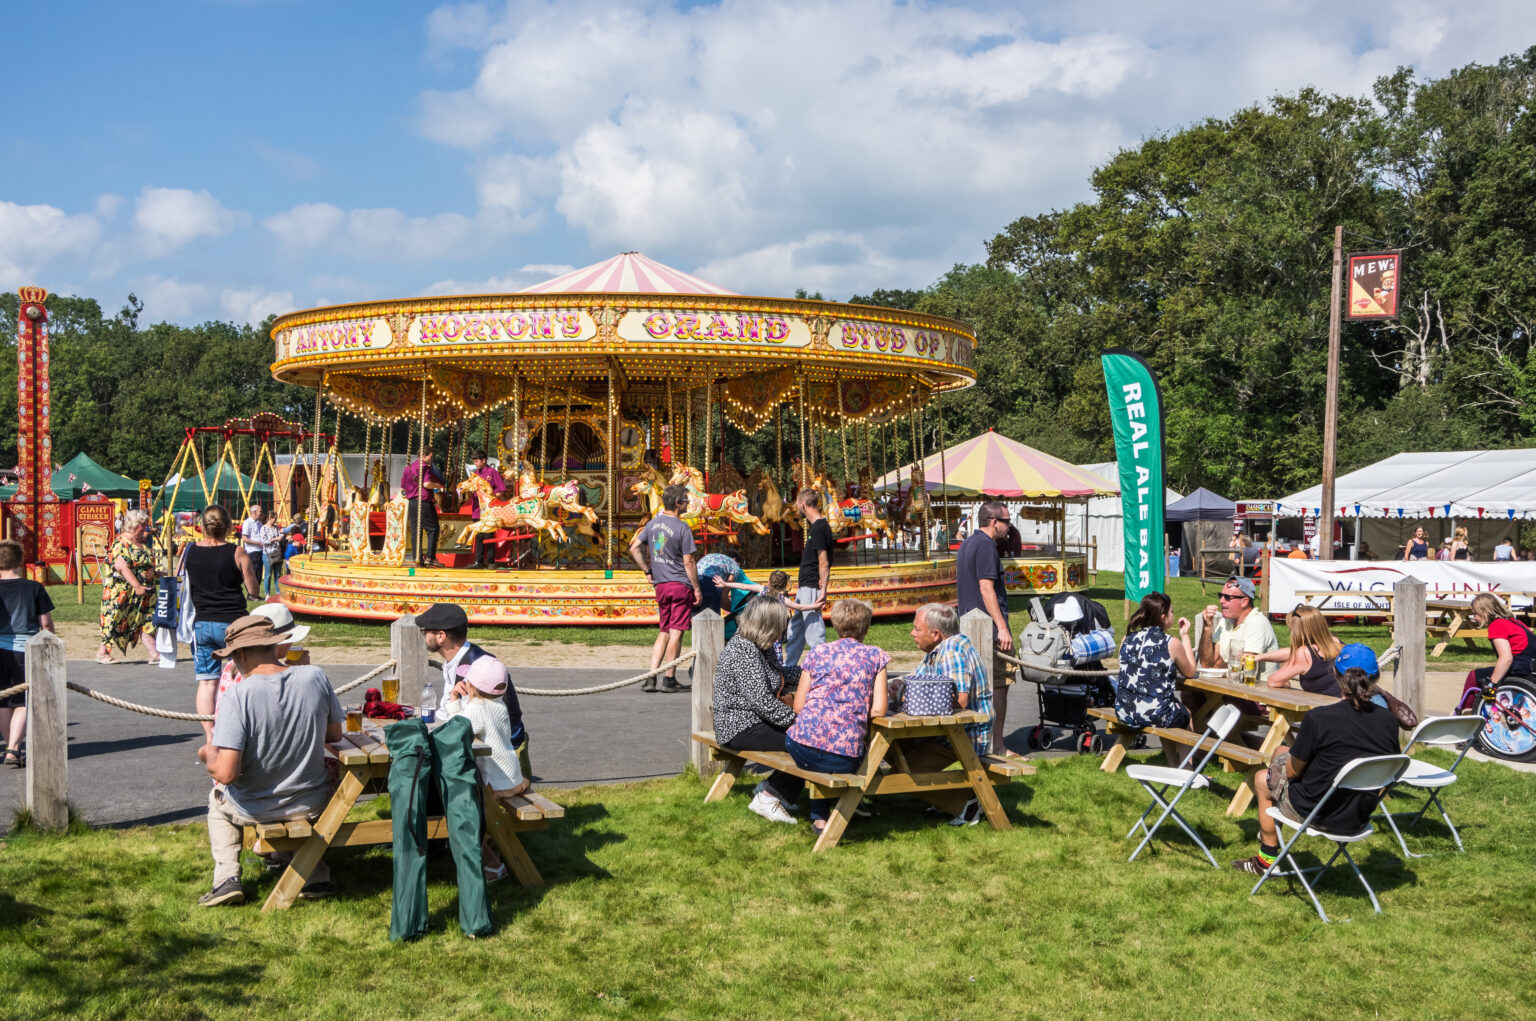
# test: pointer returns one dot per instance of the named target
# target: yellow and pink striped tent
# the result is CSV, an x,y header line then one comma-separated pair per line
x,y
993,465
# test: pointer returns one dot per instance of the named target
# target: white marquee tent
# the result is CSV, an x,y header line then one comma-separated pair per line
x,y
1488,491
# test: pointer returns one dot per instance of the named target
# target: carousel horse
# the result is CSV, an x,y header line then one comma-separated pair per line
x,y
717,508
775,507
917,499
496,515
650,486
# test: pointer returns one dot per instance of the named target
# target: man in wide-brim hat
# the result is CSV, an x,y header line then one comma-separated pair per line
x,y
267,754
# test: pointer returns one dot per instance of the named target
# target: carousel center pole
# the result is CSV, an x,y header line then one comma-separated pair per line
x,y
613,467
421,454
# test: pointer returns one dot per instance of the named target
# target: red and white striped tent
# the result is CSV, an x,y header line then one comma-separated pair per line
x,y
627,273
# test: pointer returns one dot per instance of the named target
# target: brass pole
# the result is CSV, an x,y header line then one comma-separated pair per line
x,y
421,453
613,463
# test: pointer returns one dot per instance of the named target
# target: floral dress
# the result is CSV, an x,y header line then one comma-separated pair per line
x,y
836,711
124,613
1147,696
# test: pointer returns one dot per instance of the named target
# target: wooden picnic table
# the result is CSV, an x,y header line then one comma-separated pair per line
x,y
974,774
363,758
1286,708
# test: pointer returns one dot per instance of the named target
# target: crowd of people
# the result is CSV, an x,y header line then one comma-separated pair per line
x,y
1247,554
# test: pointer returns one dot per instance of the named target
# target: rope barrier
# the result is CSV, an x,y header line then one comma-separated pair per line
x,y
8,692
166,714
686,657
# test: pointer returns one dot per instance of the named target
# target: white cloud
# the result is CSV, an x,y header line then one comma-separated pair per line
x,y
388,233
35,236
507,283
167,219
168,299
252,305
837,264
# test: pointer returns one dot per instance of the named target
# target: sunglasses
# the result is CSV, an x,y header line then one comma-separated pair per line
x,y
1232,595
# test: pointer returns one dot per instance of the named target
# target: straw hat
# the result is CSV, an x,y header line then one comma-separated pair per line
x,y
249,632
282,621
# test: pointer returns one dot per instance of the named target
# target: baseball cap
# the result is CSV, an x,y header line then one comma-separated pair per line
x,y
1243,585
487,675
1356,655
442,617
1068,611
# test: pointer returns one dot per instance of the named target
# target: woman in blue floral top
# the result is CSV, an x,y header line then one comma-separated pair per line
x,y
842,684
1151,664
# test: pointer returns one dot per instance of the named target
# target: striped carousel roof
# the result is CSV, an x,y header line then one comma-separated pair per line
x,y
994,465
627,273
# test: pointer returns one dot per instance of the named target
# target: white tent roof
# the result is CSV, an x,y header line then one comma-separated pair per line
x,y
1455,484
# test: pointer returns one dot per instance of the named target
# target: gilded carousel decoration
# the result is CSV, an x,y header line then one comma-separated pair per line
x,y
595,390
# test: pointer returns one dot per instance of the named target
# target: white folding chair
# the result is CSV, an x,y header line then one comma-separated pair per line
x,y
1437,731
1372,773
1158,779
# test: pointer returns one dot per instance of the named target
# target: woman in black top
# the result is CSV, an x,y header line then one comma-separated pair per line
x,y
216,570
1310,658
748,711
1417,548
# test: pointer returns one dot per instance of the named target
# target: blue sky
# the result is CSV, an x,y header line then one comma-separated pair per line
x,y
230,158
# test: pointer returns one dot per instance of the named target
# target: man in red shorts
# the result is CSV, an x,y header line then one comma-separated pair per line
x,y
672,572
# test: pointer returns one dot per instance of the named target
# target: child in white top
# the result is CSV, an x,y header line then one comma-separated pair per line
x,y
477,697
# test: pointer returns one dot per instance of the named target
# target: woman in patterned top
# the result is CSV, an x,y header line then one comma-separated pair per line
x,y
128,590
749,715
1150,665
842,684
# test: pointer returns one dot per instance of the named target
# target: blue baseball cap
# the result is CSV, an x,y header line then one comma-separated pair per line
x,y
1356,655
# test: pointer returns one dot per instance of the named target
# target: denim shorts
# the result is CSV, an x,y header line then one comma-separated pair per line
x,y
207,638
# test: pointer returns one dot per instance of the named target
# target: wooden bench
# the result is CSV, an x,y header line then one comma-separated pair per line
x,y
1235,758
940,788
364,759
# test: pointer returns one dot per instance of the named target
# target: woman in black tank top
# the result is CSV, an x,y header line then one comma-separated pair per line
x,y
1309,660
218,575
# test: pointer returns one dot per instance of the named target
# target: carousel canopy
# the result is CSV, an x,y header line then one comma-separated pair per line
x,y
993,465
81,475
629,273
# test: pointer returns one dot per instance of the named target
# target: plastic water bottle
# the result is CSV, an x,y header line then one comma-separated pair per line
x,y
428,707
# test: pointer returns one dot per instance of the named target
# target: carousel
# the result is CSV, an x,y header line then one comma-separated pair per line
x,y
593,392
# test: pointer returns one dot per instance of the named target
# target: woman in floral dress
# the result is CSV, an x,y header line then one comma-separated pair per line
x,y
1151,664
128,589
842,685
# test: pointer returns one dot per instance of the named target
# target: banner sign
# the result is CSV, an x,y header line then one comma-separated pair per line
x,y
1374,284
1136,409
1444,579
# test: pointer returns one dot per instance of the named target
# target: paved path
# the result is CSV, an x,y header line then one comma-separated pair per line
x,y
128,769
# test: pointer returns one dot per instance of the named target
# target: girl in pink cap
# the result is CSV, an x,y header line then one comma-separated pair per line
x,y
477,697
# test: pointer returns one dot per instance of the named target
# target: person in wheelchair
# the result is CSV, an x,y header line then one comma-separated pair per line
x,y
1512,647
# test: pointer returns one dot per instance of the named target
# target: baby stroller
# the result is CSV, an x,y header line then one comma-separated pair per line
x,y
1076,634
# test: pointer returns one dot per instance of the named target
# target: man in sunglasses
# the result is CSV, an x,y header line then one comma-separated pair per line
x,y
1239,626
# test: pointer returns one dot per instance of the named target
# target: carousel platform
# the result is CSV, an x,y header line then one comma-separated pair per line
x,y
332,585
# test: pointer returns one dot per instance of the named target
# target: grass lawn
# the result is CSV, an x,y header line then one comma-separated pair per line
x,y
661,906
888,633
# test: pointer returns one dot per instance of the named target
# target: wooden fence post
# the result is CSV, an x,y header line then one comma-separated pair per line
x,y
410,657
707,639
978,627
1408,631
47,733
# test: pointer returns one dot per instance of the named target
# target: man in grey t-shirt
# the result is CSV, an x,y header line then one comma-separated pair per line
x,y
267,753
669,541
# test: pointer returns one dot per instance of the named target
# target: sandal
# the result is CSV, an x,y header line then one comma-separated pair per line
x,y
11,758
105,660
495,875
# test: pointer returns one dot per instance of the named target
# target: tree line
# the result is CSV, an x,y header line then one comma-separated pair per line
x,y
1207,250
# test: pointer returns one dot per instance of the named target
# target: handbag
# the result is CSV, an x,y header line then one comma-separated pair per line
x,y
167,604
1407,719
1042,645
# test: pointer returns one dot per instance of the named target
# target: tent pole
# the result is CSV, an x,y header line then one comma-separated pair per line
x,y
1354,554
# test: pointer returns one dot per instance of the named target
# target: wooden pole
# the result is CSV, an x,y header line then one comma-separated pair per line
x,y
1408,631
1331,400
48,733
410,656
707,639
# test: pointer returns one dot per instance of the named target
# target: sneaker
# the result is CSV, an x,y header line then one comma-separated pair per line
x,y
762,788
770,808
319,890
649,684
669,684
864,808
227,892
1254,866
970,815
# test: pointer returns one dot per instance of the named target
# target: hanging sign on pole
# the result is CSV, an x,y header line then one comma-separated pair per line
x,y
1375,281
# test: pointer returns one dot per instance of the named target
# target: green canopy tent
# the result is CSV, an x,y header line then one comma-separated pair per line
x,y
81,475
232,486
